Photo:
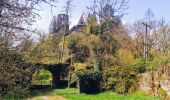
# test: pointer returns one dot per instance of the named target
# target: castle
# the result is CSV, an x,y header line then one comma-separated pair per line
x,y
61,22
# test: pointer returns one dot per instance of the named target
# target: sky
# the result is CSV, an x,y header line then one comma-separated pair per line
x,y
136,11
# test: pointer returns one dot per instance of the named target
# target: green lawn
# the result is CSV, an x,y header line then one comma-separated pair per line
x,y
71,94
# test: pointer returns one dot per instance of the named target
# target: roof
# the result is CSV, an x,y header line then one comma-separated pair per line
x,y
81,20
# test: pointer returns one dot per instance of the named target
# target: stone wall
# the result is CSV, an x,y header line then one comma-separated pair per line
x,y
161,80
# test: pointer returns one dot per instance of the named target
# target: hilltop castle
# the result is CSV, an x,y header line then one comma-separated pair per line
x,y
61,22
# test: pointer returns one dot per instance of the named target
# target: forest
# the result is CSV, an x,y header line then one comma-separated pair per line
x,y
104,55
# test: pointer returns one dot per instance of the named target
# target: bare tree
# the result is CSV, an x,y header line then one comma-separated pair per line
x,y
19,14
115,8
161,36
109,13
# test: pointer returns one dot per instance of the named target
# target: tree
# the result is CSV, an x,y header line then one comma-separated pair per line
x,y
108,8
16,18
18,15
96,51
161,36
121,74
109,12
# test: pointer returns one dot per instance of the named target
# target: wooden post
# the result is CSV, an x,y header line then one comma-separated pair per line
x,y
146,55
146,41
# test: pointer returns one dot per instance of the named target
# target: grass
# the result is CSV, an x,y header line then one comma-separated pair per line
x,y
71,94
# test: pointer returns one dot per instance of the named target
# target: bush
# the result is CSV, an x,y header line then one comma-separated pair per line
x,y
158,61
163,95
89,82
122,74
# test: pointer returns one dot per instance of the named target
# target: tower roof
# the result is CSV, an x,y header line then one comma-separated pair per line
x,y
81,20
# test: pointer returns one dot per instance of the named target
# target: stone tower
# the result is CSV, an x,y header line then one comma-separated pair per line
x,y
61,22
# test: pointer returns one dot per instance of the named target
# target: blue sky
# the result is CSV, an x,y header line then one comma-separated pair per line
x,y
136,11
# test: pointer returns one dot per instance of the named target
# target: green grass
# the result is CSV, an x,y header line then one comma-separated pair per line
x,y
71,94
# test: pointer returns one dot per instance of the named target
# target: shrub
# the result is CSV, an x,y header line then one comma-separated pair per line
x,y
89,82
163,95
122,76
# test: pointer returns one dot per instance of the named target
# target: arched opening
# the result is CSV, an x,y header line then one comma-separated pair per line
x,y
42,78
48,76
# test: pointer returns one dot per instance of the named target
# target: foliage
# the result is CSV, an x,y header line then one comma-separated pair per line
x,y
72,41
16,17
45,51
14,74
79,68
160,60
89,82
122,75
95,50
22,14
163,95
77,47
41,77
92,27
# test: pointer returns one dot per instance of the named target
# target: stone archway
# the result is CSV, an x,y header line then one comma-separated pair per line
x,y
55,70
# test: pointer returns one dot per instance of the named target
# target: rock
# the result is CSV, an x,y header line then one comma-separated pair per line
x,y
145,82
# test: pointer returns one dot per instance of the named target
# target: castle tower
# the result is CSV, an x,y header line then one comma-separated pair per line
x,y
63,22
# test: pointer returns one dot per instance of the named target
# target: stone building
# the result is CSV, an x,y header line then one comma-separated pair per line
x,y
61,22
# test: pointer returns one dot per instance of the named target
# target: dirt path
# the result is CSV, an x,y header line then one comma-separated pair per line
x,y
50,96
53,97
